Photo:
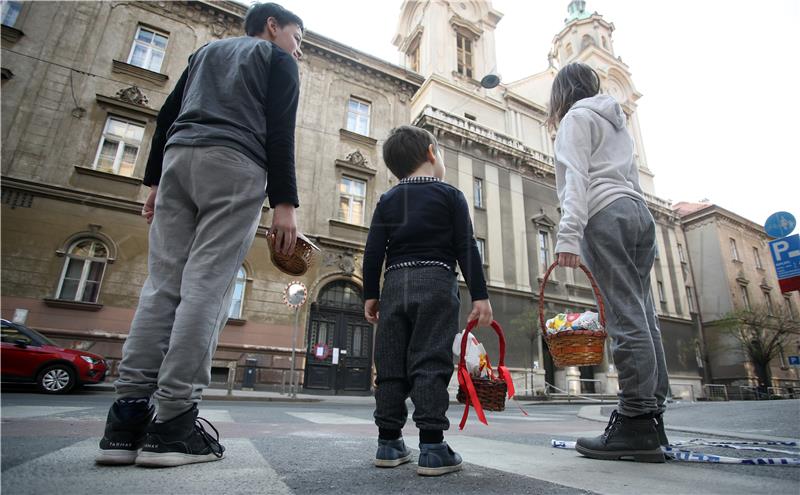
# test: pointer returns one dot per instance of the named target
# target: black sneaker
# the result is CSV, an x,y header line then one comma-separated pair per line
x,y
625,438
181,440
436,459
662,434
125,432
392,453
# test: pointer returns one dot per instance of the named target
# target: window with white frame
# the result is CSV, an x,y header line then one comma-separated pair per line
x,y
544,251
352,195
119,146
768,303
10,12
148,49
83,271
734,250
358,116
661,291
690,298
681,255
477,192
757,258
464,52
237,303
481,249
745,296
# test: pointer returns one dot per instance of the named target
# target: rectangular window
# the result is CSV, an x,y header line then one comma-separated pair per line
x,y
481,249
477,192
464,50
757,258
690,298
661,292
148,49
658,252
768,304
734,251
119,147
789,310
544,251
352,194
358,116
745,297
10,12
471,117
681,255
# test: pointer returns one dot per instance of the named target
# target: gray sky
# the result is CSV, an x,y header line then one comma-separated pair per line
x,y
719,118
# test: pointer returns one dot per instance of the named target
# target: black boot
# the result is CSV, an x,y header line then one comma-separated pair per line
x,y
125,431
625,438
181,440
662,435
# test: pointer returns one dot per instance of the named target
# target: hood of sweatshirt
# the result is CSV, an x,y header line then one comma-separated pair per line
x,y
605,106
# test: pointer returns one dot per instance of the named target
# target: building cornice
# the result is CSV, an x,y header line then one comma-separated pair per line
x,y
717,213
39,189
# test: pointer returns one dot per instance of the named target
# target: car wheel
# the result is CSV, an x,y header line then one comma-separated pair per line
x,y
56,379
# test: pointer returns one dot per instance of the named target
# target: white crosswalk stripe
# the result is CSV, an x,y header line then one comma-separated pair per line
x,y
216,415
330,418
19,412
71,471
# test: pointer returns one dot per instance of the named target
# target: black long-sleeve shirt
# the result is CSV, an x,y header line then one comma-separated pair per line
x,y
241,93
422,220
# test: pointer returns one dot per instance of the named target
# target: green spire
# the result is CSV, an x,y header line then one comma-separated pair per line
x,y
577,11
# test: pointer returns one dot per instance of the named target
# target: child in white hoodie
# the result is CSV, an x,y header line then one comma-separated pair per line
x,y
605,222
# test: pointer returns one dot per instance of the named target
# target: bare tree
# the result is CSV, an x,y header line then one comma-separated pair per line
x,y
761,333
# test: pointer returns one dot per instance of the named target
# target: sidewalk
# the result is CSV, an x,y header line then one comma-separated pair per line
x,y
777,420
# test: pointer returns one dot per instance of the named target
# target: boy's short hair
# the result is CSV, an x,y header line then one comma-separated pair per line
x,y
406,149
258,13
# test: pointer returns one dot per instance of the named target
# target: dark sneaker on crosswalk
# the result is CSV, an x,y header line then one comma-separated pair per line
x,y
392,453
181,440
436,459
125,431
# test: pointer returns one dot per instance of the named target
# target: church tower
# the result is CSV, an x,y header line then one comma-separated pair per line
x,y
452,39
587,37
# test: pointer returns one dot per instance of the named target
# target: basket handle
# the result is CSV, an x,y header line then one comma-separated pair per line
x,y
500,335
598,297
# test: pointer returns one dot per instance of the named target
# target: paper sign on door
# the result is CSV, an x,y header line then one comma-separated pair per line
x,y
335,355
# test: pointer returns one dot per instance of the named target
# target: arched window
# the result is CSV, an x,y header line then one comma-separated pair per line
x,y
341,295
237,303
83,271
586,42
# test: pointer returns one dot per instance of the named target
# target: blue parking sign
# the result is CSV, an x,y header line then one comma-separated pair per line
x,y
786,255
794,360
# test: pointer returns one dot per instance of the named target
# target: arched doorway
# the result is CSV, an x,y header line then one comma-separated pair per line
x,y
339,351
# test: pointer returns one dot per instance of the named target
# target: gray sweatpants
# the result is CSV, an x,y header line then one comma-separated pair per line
x,y
208,207
414,347
619,248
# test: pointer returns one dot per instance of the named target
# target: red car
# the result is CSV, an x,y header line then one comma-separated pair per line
x,y
29,357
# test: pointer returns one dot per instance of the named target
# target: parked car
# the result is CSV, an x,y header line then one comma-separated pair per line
x,y
26,356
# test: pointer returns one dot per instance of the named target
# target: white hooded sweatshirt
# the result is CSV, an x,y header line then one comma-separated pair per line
x,y
594,166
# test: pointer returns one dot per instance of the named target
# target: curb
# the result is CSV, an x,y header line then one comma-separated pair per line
x,y
592,413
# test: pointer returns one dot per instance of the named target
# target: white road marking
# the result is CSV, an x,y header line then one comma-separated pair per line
x,y
22,412
330,418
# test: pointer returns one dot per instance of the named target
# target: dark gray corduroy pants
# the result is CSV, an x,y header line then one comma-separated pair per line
x,y
413,347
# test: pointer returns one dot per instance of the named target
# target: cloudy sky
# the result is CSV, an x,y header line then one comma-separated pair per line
x,y
719,115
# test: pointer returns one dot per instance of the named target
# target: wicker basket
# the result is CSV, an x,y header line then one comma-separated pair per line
x,y
483,393
299,261
575,347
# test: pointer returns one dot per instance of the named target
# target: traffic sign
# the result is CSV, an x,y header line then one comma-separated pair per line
x,y
794,360
786,256
780,224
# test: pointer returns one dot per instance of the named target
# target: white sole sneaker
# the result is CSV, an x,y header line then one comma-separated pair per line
x,y
426,471
392,462
119,457
171,459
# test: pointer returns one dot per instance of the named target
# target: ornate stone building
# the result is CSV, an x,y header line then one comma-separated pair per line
x,y
499,153
82,84
733,269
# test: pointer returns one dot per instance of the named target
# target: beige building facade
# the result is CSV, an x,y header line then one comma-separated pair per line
x,y
733,270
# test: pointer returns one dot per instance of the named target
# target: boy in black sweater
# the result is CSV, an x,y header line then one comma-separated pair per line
x,y
422,228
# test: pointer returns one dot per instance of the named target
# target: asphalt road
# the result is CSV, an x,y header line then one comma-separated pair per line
x,y
48,444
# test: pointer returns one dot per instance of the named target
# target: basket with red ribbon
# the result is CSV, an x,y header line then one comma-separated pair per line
x,y
483,393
